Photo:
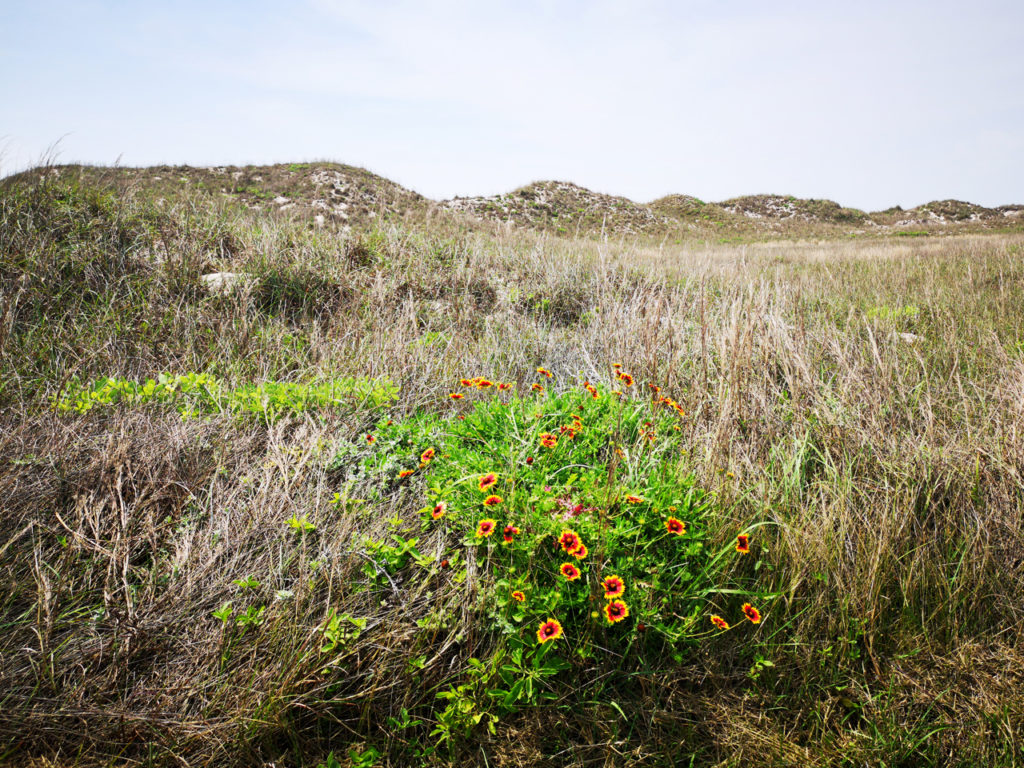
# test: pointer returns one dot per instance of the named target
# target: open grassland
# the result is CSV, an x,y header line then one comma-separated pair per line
x,y
217,566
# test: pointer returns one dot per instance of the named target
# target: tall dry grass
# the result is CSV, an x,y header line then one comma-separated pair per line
x,y
863,398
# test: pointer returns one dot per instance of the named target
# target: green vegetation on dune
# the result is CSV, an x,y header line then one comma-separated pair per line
x,y
337,196
301,570
566,519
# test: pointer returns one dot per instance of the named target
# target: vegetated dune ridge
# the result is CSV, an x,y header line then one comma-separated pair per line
x,y
347,196
221,533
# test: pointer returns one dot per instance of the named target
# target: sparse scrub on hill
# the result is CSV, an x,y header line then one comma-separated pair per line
x,y
336,197
186,581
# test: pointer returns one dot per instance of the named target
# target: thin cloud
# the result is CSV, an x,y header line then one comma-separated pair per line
x,y
870,104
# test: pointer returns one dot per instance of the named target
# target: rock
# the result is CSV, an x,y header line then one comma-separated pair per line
x,y
227,282
909,338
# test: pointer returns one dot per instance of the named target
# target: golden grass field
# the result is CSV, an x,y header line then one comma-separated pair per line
x,y
860,400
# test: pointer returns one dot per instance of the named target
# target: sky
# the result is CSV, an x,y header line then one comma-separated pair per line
x,y
871,103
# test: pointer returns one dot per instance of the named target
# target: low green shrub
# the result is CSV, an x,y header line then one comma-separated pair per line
x,y
573,525
198,394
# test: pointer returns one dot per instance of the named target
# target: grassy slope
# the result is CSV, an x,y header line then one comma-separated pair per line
x,y
887,467
341,196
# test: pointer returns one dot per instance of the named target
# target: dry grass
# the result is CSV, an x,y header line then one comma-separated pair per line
x,y
888,466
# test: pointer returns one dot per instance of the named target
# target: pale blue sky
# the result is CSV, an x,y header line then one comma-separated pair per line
x,y
869,103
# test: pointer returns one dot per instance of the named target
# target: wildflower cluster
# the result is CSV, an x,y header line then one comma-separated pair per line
x,y
670,403
480,382
569,431
588,543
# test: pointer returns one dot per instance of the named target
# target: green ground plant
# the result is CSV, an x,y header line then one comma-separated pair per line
x,y
574,520
194,395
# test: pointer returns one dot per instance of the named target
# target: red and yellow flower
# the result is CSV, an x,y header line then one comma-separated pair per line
x,y
719,622
580,552
485,527
673,405
570,571
549,630
370,439
484,384
493,500
570,430
456,395
504,385
509,532
427,456
405,473
675,526
613,587
634,499
545,372
439,510
519,597
536,387
752,613
486,481
548,440
570,540
615,611
743,543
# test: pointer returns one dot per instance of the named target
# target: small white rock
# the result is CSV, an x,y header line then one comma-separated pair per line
x,y
909,338
226,282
